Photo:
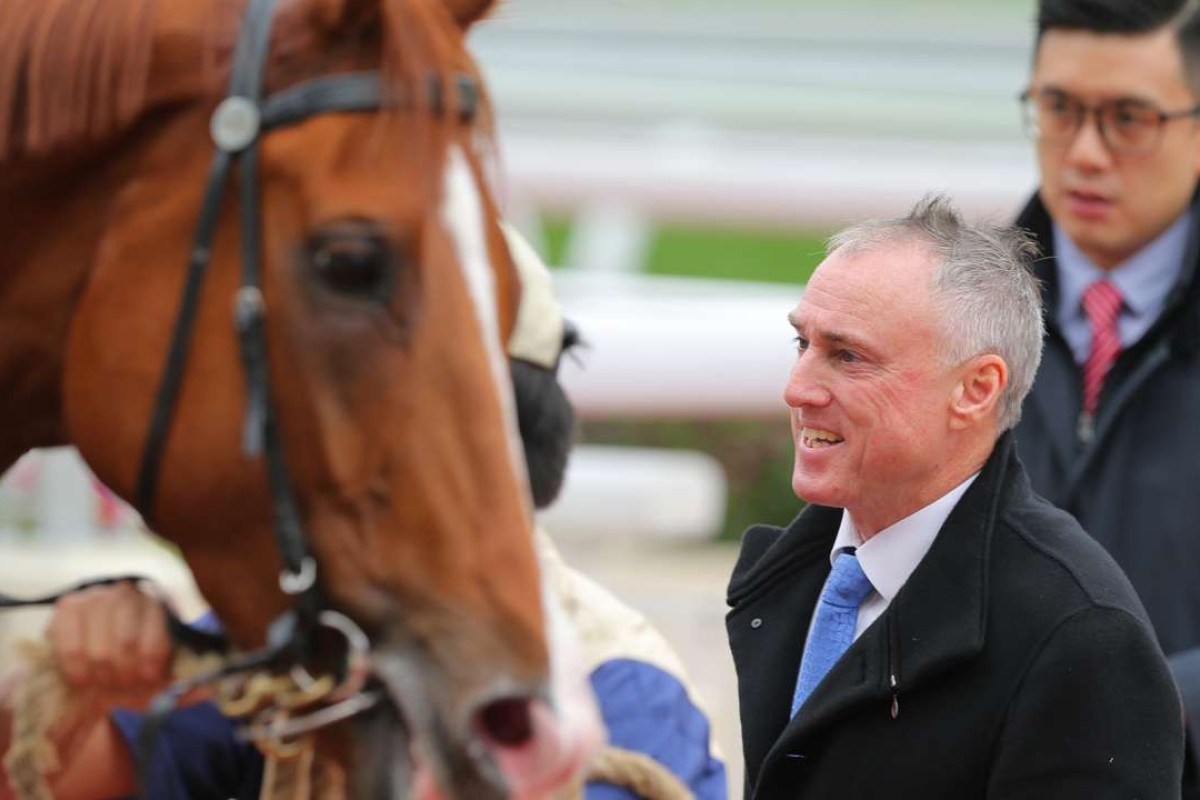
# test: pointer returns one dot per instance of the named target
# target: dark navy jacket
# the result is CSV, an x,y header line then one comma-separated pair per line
x,y
1135,487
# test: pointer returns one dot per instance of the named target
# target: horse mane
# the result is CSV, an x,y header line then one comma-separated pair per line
x,y
70,69
79,70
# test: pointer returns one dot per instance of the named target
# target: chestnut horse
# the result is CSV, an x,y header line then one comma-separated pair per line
x,y
368,263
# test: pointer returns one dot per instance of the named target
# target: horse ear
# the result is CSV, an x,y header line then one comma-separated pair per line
x,y
468,12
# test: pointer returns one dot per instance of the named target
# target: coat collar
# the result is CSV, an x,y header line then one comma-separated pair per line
x,y
937,620
1058,396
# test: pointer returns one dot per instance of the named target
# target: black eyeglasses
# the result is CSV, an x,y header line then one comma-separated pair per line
x,y
1128,127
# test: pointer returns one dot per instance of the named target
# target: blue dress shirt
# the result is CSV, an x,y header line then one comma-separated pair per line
x,y
1145,281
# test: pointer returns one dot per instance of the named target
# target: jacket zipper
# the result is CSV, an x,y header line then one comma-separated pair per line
x,y
892,667
1085,429
1153,361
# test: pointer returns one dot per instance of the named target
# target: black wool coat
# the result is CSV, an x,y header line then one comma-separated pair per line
x,y
1016,662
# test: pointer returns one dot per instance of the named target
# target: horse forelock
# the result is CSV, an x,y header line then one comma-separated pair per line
x,y
76,71
421,40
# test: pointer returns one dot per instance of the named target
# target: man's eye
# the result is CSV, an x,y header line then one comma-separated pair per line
x,y
1134,116
801,344
846,356
1060,106
1057,104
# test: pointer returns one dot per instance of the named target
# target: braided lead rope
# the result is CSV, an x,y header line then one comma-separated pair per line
x,y
291,777
305,776
43,701
638,773
36,704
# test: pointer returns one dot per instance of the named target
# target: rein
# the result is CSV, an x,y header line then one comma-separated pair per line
x,y
278,682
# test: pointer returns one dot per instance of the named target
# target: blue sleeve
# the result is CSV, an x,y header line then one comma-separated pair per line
x,y
197,755
208,623
647,710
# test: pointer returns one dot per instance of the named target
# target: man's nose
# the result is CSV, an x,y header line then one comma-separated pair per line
x,y
806,385
1087,150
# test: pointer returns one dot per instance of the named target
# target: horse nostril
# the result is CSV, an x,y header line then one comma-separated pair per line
x,y
507,723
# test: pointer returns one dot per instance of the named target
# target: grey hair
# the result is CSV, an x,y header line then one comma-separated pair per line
x,y
984,291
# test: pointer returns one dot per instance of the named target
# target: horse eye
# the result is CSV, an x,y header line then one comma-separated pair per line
x,y
354,262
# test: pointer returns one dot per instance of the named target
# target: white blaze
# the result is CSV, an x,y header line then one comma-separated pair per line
x,y
462,215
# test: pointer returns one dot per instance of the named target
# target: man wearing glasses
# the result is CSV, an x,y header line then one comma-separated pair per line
x,y
1111,430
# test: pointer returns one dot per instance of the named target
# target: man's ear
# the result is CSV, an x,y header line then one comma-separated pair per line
x,y
468,12
977,394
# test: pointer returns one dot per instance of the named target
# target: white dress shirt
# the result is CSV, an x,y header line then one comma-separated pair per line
x,y
889,557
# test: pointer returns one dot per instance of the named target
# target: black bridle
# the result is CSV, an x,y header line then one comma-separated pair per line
x,y
237,127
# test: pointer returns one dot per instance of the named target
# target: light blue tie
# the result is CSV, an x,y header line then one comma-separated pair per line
x,y
833,626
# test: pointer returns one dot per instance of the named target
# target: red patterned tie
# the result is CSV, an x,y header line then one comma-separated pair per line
x,y
1102,303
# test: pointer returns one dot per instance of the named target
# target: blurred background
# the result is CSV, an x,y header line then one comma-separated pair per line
x,y
682,161
679,163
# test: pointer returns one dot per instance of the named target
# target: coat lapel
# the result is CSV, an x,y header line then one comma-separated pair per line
x,y
940,615
1056,403
936,621
858,678
772,595
1057,399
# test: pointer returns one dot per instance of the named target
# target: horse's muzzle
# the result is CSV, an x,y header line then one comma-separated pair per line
x,y
504,742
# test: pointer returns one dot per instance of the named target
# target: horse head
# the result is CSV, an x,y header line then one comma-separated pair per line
x,y
382,300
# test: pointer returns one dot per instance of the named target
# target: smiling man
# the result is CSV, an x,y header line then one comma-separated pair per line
x,y
1111,430
928,626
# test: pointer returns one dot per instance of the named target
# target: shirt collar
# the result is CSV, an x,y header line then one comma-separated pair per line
x,y
1145,278
889,557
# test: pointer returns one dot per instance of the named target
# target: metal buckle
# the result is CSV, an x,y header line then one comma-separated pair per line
x,y
358,664
235,124
294,583
248,306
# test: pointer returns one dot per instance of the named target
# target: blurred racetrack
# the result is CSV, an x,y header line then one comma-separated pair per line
x,y
760,111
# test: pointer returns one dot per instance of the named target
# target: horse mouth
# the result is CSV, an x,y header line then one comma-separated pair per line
x,y
383,764
459,723
409,748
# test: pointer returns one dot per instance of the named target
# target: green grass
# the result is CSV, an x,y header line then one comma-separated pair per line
x,y
734,254
721,253
556,233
